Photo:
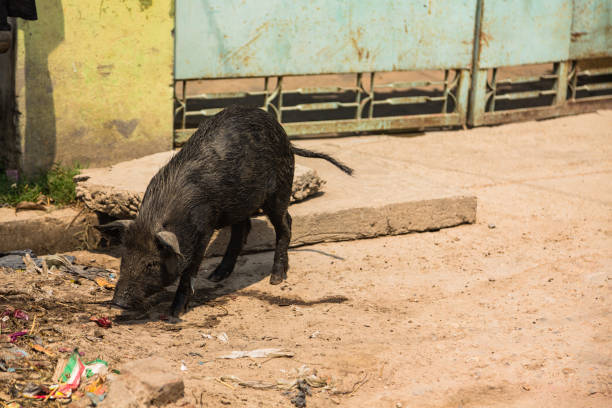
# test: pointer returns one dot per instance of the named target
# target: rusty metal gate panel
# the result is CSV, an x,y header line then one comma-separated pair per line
x,y
521,32
565,34
591,34
273,39
236,38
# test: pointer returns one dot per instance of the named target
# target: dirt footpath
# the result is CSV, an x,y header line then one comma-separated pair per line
x,y
511,311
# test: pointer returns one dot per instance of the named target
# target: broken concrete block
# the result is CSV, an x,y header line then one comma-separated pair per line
x,y
118,190
149,382
306,182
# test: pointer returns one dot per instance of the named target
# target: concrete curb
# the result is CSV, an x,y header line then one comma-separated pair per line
x,y
69,229
43,232
358,223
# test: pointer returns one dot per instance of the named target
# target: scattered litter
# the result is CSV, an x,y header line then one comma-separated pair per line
x,y
26,259
43,350
222,337
299,400
17,314
95,399
314,335
259,353
32,266
303,373
97,387
31,390
34,371
19,353
70,377
103,283
183,366
248,384
14,259
58,260
97,366
29,206
491,226
14,336
102,321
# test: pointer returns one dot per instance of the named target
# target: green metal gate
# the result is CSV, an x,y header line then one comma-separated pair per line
x,y
572,37
372,48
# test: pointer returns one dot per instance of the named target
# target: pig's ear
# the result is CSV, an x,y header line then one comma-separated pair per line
x,y
168,240
114,229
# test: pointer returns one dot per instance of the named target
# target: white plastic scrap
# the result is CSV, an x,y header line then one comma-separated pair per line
x,y
259,353
222,337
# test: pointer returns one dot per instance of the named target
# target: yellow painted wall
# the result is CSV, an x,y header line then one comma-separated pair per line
x,y
94,81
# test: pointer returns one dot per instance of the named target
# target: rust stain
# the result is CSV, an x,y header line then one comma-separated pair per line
x,y
356,46
577,35
484,39
259,32
354,40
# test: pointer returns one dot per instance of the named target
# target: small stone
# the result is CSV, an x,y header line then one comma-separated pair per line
x,y
491,226
146,382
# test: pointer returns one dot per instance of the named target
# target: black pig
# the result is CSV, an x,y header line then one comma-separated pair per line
x,y
236,163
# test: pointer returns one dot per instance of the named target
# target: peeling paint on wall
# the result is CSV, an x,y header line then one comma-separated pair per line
x,y
145,4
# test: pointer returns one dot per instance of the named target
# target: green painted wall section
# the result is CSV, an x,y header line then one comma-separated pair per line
x,y
94,81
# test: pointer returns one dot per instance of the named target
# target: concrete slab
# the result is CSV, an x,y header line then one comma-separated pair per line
x,y
118,190
385,197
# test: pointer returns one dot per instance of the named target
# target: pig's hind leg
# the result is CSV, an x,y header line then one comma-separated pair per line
x,y
240,232
276,210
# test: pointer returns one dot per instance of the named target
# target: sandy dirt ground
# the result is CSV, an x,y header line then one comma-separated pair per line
x,y
511,311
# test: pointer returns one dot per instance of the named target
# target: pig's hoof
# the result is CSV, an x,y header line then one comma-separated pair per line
x,y
218,275
276,278
176,311
178,306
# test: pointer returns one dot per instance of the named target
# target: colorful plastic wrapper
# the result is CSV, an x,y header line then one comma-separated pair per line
x,y
14,336
97,366
102,321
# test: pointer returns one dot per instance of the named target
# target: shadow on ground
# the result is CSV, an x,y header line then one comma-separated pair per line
x,y
250,269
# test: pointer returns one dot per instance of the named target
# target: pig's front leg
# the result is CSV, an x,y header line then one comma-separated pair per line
x,y
185,289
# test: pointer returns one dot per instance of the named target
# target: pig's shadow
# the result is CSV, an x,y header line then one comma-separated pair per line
x,y
250,269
